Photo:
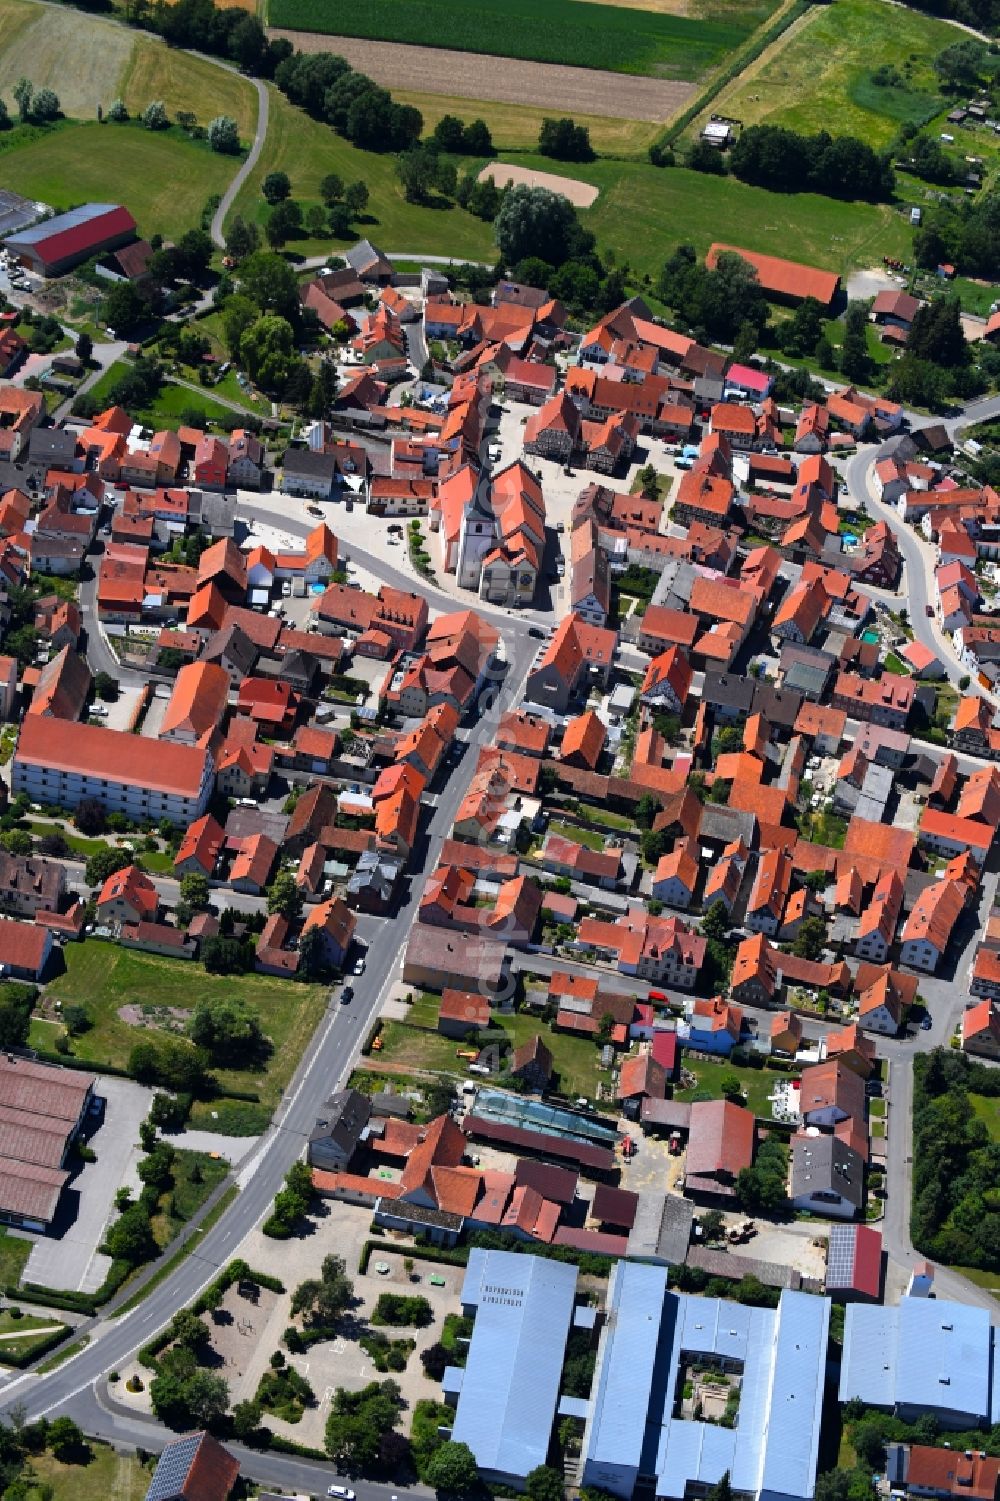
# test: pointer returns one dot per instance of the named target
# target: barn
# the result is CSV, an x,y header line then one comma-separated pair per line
x,y
60,243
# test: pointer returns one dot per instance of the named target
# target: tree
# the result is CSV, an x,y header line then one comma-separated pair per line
x,y
188,1330
22,98
196,1399
331,189
285,896
16,1004
283,223
321,1300
45,106
242,239
103,863
238,314
322,390
452,1469
130,1238
421,169
248,44
449,134
154,116
267,349
810,939
224,135
722,1490
222,955
356,198
648,806
358,1421
544,1484
66,1441
478,140
533,221
855,361
117,112
106,687
715,924
270,282
565,140
702,156
194,890
731,1087
746,341
649,482
339,221
125,309
936,333
84,348
962,64
246,1421
228,1029
276,186
436,1360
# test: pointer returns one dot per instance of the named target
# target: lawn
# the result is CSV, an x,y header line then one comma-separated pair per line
x,y
642,212
987,1109
106,1474
307,150
819,77
13,1254
576,1060
604,816
28,1329
757,1083
188,83
172,406
195,1175
587,837
515,127
592,35
414,1047
162,177
103,977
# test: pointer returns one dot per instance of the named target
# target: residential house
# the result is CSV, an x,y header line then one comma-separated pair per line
x,y
713,1026
828,1176
127,896
830,1092
928,928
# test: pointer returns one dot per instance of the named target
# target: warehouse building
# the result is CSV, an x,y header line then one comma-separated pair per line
x,y
59,244
509,1388
41,1111
659,1362
923,1357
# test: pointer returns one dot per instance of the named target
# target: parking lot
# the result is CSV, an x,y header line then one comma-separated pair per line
x,y
69,1257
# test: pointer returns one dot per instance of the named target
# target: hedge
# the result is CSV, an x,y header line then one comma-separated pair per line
x,y
457,1257
42,1346
289,1446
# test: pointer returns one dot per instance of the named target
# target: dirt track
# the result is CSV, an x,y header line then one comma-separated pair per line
x,y
473,75
580,193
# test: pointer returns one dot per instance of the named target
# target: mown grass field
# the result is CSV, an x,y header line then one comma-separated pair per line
x,y
586,35
756,1083
642,212
103,977
307,150
819,77
162,177
104,1474
515,127
167,411
987,1109
91,60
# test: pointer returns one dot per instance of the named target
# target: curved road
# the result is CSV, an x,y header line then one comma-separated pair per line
x,y
229,196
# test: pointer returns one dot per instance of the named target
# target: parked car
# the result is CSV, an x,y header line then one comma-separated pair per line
x,y
535,633
347,995
343,1492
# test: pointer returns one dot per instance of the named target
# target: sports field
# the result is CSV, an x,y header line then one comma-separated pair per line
x,y
579,33
162,177
108,60
307,150
819,76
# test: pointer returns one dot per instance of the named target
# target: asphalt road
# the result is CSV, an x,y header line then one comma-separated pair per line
x,y
329,1059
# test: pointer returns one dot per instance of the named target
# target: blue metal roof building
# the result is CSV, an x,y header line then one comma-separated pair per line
x,y
650,1336
507,1394
923,1356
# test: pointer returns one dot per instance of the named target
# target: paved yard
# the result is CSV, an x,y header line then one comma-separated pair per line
x,y
69,1258
801,1244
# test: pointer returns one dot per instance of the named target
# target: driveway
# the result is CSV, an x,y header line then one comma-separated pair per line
x,y
68,1258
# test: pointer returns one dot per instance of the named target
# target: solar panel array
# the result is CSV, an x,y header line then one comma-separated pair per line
x,y
840,1257
172,1470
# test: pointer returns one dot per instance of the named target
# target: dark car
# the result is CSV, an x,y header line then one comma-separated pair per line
x,y
929,610
347,995
926,1024
535,633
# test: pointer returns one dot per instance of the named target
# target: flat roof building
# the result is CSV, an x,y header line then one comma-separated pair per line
x,y
509,1389
924,1356
638,1432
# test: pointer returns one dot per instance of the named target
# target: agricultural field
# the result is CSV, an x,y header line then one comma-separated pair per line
x,y
307,150
577,33
109,61
103,978
642,212
819,75
162,176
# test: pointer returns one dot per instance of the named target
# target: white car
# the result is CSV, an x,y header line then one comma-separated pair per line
x,y
343,1492
359,965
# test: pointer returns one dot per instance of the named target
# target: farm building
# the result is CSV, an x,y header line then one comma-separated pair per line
x,y
785,281
58,244
41,1110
